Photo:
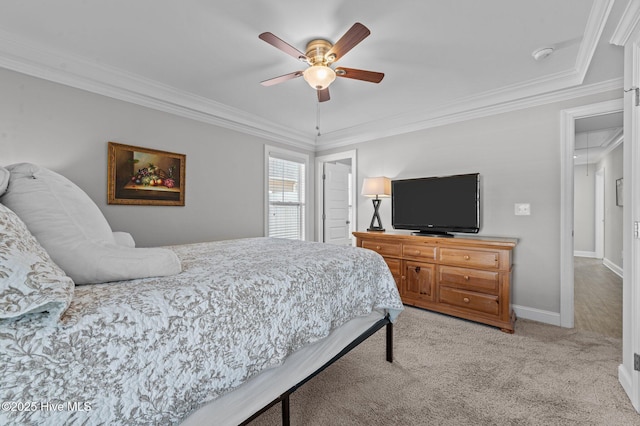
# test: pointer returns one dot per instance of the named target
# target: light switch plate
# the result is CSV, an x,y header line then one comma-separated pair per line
x,y
523,209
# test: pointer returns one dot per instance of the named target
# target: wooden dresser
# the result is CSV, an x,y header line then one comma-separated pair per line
x,y
465,277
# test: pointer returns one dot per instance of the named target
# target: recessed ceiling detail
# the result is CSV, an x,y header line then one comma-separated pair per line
x,y
437,67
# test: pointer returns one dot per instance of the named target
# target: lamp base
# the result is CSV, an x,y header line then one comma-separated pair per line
x,y
376,217
375,229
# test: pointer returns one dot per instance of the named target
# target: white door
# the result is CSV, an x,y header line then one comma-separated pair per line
x,y
627,34
628,372
336,204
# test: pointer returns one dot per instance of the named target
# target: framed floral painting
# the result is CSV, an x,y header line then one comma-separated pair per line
x,y
145,176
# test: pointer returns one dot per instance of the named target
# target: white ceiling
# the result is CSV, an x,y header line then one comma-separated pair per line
x,y
443,60
596,137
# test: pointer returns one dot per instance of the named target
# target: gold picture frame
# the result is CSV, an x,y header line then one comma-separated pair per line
x,y
144,176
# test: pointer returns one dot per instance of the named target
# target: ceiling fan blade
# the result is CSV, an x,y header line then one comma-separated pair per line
x,y
349,40
281,79
323,95
283,45
370,76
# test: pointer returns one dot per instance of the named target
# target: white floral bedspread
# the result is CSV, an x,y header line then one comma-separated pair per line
x,y
152,350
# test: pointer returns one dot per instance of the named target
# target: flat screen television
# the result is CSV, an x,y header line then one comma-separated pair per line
x,y
437,205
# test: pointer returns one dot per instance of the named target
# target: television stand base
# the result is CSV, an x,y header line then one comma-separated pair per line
x,y
433,234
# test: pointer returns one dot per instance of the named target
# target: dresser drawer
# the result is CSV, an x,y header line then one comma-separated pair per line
x,y
470,300
467,257
419,252
385,249
464,277
469,279
394,266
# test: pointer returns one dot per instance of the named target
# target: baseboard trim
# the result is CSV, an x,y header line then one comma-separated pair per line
x,y
615,268
539,315
627,384
585,254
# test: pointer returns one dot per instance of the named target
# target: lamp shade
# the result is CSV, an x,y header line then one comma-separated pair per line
x,y
319,76
379,187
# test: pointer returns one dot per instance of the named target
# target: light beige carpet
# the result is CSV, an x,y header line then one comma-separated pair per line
x,y
449,371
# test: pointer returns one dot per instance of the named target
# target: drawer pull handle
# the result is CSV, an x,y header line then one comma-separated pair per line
x,y
378,247
466,277
466,257
466,300
417,252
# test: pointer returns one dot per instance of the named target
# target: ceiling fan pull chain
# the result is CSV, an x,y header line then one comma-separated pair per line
x,y
318,117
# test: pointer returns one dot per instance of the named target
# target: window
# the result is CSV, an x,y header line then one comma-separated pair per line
x,y
286,193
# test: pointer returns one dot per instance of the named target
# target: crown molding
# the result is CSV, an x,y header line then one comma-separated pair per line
x,y
593,31
517,96
29,58
611,144
628,23
381,129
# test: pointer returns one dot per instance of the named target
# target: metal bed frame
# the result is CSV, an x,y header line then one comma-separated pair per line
x,y
284,398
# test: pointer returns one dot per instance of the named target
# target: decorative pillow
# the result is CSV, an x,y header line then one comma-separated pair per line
x,y
103,262
4,180
55,210
72,229
29,280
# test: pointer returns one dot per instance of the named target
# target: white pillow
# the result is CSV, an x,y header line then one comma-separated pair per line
x,y
72,229
124,239
104,262
29,280
4,180
54,209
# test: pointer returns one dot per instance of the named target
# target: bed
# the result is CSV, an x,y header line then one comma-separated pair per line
x,y
238,328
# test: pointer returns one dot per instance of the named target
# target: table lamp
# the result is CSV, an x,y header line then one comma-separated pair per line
x,y
378,187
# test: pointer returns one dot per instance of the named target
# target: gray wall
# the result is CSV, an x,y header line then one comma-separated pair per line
x,y
67,130
584,203
518,157
517,154
613,168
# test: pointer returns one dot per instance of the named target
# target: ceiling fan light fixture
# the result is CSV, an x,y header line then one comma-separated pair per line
x,y
319,77
320,55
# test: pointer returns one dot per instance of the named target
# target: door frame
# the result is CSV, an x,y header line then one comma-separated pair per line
x,y
330,158
599,213
567,144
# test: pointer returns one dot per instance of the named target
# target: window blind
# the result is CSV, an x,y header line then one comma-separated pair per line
x,y
287,188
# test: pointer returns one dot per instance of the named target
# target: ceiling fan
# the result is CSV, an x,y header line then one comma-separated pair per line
x,y
320,54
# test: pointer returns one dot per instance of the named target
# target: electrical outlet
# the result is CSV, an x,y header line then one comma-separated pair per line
x,y
523,209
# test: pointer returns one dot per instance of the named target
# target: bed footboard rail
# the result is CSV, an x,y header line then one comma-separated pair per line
x,y
284,398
